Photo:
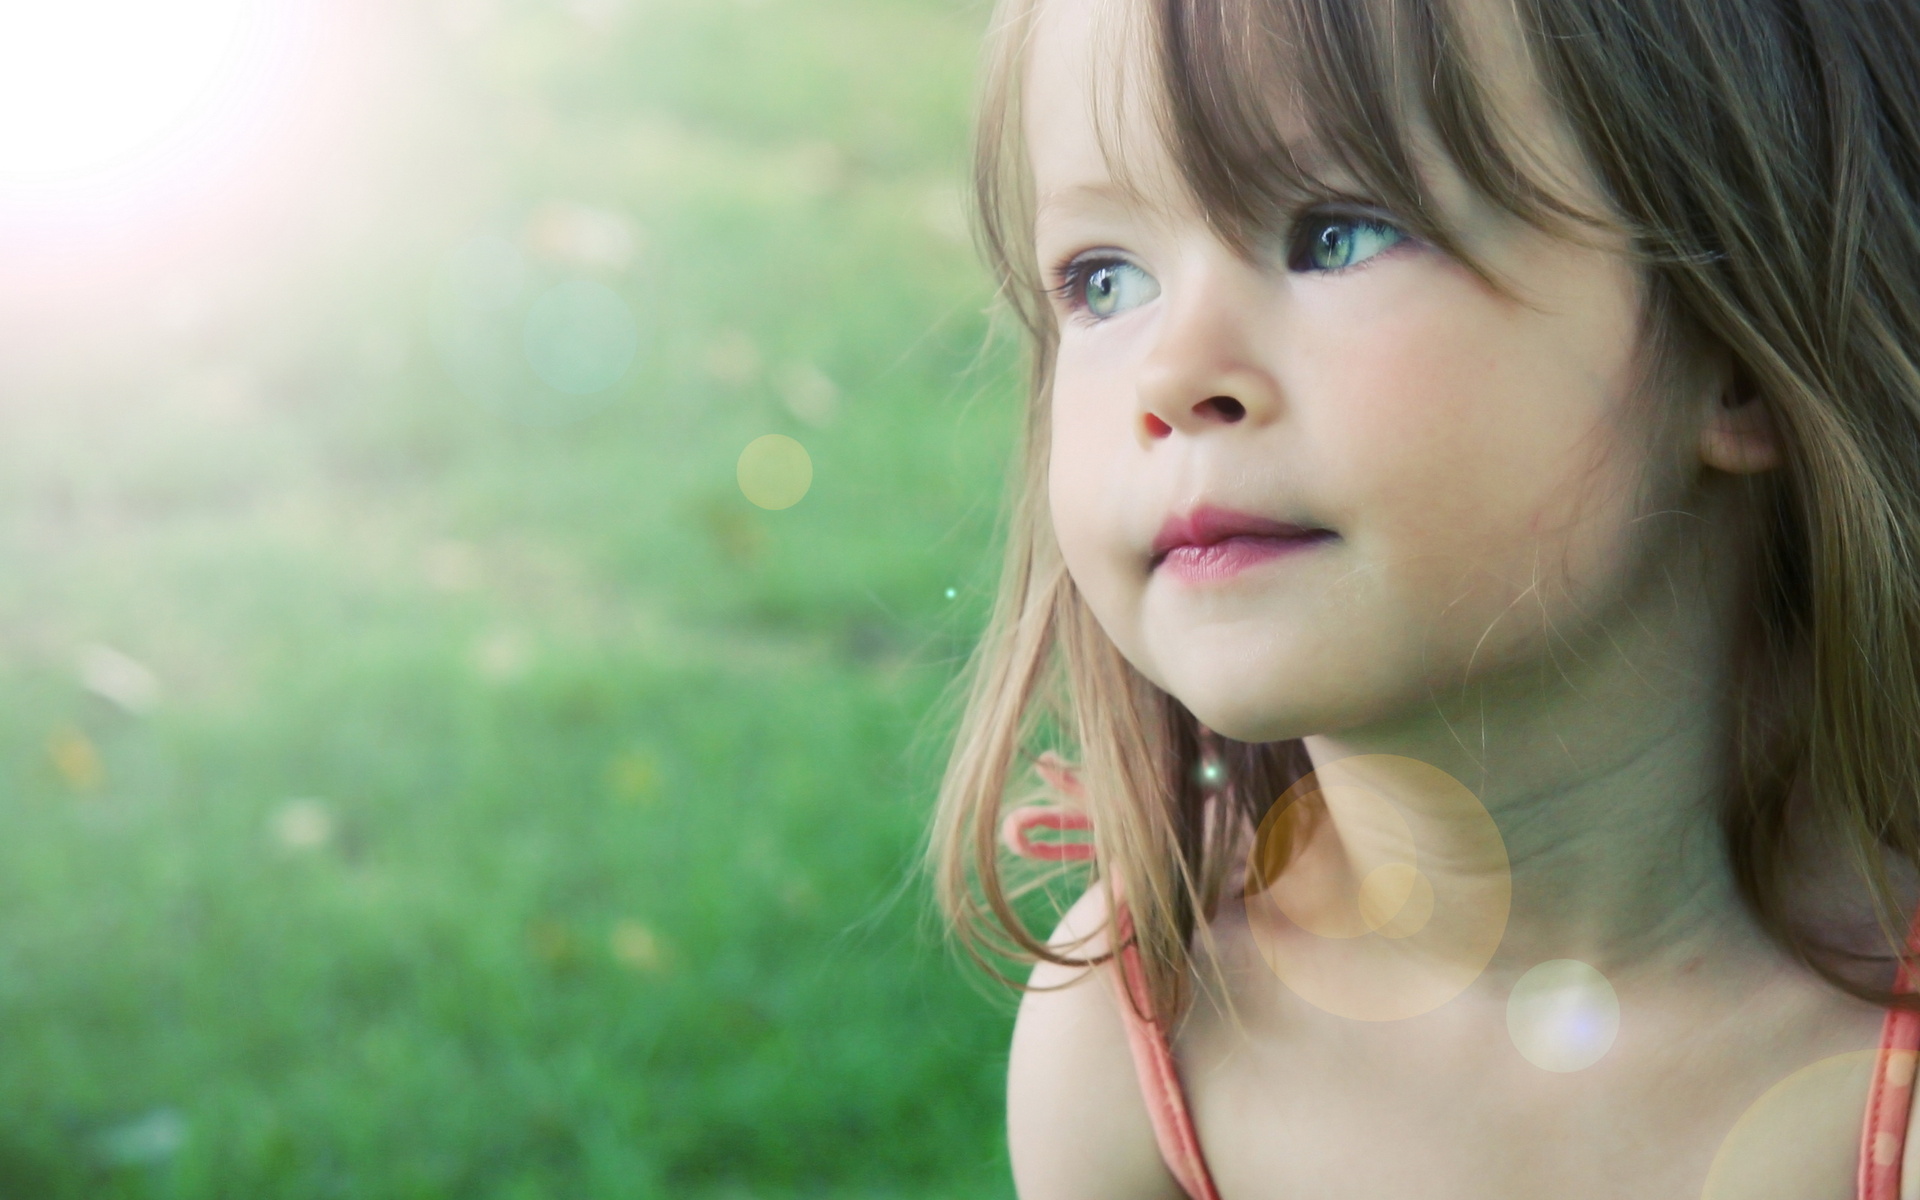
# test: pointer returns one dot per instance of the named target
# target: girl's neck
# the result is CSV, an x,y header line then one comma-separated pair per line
x,y
1603,786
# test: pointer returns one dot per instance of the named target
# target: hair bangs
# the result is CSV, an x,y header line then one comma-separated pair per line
x,y
1271,105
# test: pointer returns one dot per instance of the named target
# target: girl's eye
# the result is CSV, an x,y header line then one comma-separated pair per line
x,y
1108,287
1331,243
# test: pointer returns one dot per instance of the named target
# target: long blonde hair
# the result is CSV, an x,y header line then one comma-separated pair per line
x,y
1763,156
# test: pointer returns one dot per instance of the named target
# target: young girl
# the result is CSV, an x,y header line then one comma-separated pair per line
x,y
1466,578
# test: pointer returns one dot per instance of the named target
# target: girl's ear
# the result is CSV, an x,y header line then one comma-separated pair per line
x,y
1738,435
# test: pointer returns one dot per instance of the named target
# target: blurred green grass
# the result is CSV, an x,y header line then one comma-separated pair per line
x,y
408,794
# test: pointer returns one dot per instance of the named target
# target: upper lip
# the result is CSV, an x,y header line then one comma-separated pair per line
x,y
1206,525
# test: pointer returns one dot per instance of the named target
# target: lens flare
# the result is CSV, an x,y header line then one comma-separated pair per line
x,y
86,84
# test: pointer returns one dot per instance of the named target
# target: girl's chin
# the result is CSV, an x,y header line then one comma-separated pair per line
x,y
1267,714
1274,681
1248,718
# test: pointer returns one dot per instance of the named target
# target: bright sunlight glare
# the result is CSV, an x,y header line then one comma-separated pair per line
x,y
87,84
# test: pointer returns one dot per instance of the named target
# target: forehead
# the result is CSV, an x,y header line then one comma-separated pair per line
x,y
1089,108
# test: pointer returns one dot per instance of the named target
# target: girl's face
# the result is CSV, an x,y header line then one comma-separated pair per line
x,y
1307,492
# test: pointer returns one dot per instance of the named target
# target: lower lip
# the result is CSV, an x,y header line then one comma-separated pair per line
x,y
1221,560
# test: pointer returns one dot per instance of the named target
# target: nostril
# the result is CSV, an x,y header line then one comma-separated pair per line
x,y
1156,428
1230,410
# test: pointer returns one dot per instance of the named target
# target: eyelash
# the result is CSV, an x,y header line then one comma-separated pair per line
x,y
1071,276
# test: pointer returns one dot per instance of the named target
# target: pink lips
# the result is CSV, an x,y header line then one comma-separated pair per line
x,y
1214,543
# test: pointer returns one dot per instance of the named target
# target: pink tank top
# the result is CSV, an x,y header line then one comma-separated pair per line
x,y
1883,1134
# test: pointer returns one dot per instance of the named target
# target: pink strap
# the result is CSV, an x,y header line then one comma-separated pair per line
x,y
1159,1075
1883,1138
1147,1041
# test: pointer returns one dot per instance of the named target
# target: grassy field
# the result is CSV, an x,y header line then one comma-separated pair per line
x,y
423,778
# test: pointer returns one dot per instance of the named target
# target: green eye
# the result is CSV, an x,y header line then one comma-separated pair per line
x,y
1114,286
1330,243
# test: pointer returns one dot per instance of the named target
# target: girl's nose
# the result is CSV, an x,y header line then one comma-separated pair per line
x,y
1204,369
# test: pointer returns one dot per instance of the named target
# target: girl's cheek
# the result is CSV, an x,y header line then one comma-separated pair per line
x,y
1464,437
1089,469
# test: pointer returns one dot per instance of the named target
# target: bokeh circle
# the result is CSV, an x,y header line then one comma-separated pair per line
x,y
1352,924
580,337
1563,1015
532,350
1800,1137
775,471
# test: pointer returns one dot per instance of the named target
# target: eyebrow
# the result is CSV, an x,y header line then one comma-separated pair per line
x,y
1079,196
1115,197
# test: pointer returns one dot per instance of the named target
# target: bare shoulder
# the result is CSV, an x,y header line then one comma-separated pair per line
x,y
1077,1125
